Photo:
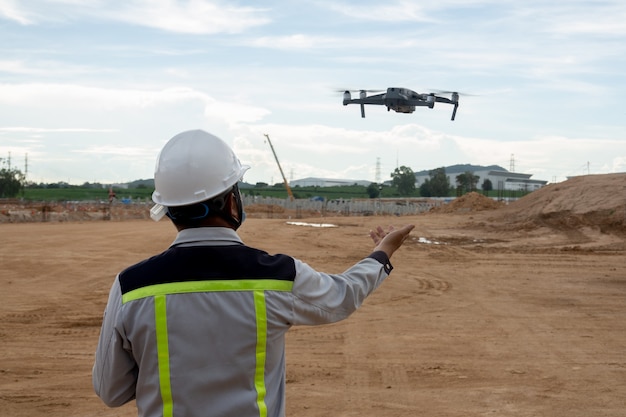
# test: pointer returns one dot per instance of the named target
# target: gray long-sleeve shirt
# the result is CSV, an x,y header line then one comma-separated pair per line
x,y
199,330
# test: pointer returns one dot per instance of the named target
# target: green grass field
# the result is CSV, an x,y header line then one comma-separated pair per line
x,y
96,194
82,194
77,193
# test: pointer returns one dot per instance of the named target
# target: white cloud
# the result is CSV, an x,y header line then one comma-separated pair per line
x,y
402,10
295,41
586,18
10,10
192,16
96,99
181,16
125,151
618,164
22,129
300,41
44,68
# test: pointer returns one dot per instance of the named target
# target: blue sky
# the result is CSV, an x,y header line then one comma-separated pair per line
x,y
90,90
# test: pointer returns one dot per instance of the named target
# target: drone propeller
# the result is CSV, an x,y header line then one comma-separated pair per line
x,y
451,92
358,90
453,100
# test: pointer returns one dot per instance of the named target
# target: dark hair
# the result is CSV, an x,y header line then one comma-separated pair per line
x,y
194,214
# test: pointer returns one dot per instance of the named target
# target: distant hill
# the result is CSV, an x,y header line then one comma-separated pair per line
x,y
141,183
461,168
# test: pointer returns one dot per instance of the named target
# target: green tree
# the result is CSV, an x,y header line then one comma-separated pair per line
x,y
404,179
11,180
487,185
373,190
438,185
467,181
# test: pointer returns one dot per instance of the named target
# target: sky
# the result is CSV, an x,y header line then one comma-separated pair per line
x,y
90,90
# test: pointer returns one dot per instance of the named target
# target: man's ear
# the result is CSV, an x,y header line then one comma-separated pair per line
x,y
232,207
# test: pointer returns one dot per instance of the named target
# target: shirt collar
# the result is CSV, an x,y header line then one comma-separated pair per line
x,y
215,236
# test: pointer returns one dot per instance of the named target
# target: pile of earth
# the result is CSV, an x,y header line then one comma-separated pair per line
x,y
470,202
586,201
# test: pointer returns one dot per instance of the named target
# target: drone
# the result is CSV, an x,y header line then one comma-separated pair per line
x,y
401,100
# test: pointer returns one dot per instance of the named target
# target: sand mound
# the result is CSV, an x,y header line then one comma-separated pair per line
x,y
591,200
469,202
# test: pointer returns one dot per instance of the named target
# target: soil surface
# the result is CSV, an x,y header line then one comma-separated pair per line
x,y
491,310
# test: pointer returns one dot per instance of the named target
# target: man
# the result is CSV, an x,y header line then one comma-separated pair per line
x,y
199,330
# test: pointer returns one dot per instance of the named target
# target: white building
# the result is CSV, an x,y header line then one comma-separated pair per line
x,y
326,182
500,178
505,180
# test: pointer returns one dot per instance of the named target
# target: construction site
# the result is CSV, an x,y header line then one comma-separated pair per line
x,y
493,308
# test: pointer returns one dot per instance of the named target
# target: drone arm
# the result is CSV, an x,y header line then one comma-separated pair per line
x,y
443,100
370,100
454,101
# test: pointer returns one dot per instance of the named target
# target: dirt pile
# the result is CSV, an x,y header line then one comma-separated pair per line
x,y
591,200
470,202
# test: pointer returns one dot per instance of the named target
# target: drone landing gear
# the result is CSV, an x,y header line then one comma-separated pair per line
x,y
456,106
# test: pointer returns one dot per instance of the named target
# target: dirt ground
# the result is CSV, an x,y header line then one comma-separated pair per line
x,y
491,310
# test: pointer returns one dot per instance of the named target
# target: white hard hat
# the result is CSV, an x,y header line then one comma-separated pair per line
x,y
192,167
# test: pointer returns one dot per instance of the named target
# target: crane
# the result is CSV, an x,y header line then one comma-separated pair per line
x,y
279,168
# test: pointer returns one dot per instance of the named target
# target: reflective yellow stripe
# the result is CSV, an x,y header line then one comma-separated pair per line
x,y
160,291
261,341
208,286
163,352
